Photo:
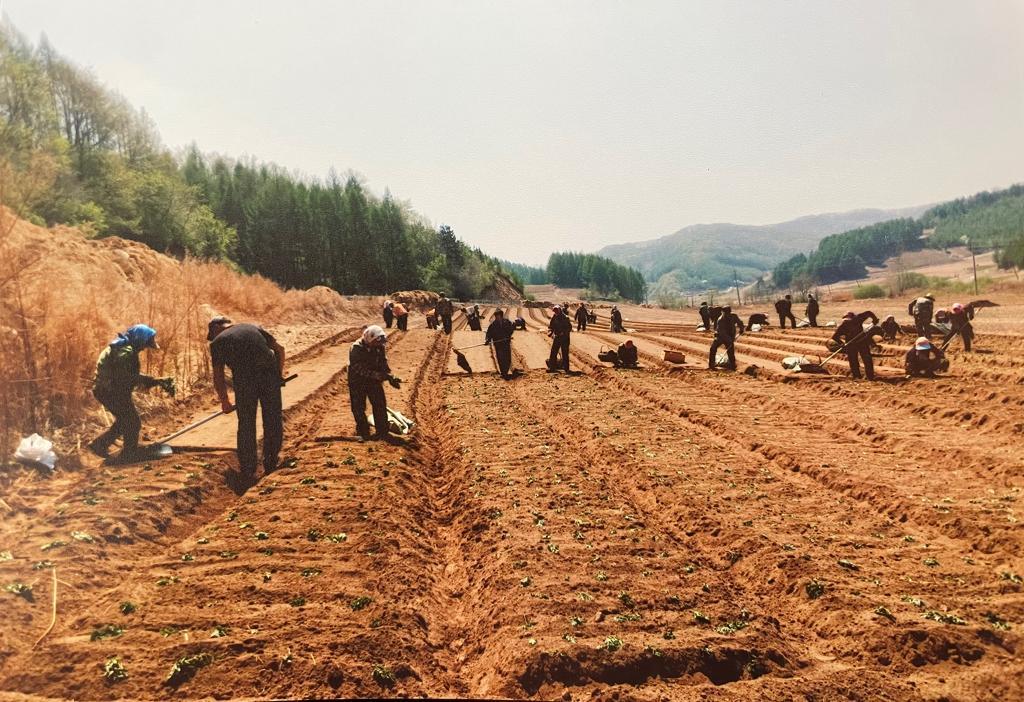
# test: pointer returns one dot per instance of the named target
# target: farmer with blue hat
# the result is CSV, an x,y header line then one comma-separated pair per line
x,y
118,373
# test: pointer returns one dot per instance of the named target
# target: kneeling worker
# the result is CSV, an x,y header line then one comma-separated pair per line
x,y
924,359
117,375
367,370
627,355
499,334
256,361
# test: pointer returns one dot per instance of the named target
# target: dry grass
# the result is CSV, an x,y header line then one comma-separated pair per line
x,y
63,297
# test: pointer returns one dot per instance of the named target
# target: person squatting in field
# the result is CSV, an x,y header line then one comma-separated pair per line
x,y
727,328
626,356
890,328
118,373
856,342
924,359
559,329
256,361
368,369
499,336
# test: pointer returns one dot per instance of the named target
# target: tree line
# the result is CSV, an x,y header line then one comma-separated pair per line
x,y
601,276
988,220
74,152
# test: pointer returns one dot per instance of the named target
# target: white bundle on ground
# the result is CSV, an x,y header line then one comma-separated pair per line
x,y
35,450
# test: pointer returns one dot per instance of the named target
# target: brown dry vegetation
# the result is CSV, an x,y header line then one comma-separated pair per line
x,y
65,296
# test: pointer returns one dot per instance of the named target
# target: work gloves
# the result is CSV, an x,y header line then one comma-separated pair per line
x,y
167,385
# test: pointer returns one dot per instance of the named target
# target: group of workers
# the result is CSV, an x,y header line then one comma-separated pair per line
x,y
853,336
257,361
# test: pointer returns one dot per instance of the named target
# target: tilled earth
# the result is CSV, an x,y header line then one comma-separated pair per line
x,y
663,533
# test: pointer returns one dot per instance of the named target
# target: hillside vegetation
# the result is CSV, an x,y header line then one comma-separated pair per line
x,y
705,256
74,152
600,276
988,220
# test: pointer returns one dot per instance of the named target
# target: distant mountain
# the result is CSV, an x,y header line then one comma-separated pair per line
x,y
705,255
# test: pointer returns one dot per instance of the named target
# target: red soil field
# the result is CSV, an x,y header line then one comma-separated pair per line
x,y
653,534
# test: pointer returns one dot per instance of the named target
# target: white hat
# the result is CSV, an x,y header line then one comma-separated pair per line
x,y
373,332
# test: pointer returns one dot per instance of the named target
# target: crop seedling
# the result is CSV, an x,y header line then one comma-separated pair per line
x,y
228,555
930,562
668,635
127,607
1012,577
814,589
53,544
261,536
21,590
884,612
219,631
338,538
166,580
730,628
996,621
187,557
6,556
308,480
626,600
169,630
525,582
943,617
611,644
297,601
114,671
310,572
314,535
575,622
700,617
360,603
601,576
42,565
184,669
383,676
82,536
569,637
107,631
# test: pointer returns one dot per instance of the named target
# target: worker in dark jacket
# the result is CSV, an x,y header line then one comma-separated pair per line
x,y
445,310
581,317
890,328
118,373
728,328
499,335
784,308
520,323
850,333
616,325
757,318
960,323
626,355
921,309
389,313
256,361
924,359
705,316
473,317
368,369
559,328
812,310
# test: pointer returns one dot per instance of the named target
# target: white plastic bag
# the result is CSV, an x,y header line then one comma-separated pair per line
x,y
36,450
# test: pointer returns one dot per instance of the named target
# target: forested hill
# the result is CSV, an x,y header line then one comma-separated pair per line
x,y
74,152
600,276
988,220
710,255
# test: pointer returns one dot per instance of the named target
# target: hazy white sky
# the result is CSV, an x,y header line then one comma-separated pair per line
x,y
534,126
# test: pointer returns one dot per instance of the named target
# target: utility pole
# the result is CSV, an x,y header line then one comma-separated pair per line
x,y
736,281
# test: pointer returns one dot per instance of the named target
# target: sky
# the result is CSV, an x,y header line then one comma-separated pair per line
x,y
534,126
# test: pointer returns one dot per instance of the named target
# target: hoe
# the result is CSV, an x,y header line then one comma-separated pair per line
x,y
800,364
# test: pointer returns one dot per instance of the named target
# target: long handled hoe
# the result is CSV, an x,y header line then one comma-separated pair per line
x,y
819,367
